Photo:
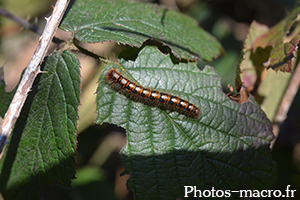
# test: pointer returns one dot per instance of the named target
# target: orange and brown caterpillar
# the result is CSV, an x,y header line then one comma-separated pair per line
x,y
150,97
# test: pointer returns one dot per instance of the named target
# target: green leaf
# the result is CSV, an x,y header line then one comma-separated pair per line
x,y
227,147
132,23
272,82
5,97
41,149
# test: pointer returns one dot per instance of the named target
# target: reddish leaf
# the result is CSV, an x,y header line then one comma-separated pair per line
x,y
282,50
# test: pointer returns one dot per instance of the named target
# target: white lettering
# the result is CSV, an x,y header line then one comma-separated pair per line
x,y
222,193
262,193
187,192
278,195
246,193
206,195
287,190
213,192
227,193
292,191
256,193
195,192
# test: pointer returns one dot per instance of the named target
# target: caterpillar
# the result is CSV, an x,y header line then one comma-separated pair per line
x,y
150,97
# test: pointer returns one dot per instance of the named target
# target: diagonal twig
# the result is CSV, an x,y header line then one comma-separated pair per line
x,y
286,101
25,24
20,21
31,72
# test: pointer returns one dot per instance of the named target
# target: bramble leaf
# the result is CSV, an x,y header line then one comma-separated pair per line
x,y
42,146
133,23
227,147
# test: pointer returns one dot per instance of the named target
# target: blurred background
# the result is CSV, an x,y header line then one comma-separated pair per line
x,y
98,153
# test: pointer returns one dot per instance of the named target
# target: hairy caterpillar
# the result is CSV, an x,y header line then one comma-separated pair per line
x,y
150,97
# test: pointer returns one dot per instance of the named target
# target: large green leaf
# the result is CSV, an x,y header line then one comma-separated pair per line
x,y
227,147
133,23
41,149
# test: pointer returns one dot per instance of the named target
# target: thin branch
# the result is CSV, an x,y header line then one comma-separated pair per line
x,y
31,72
26,24
287,101
91,54
37,30
20,21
